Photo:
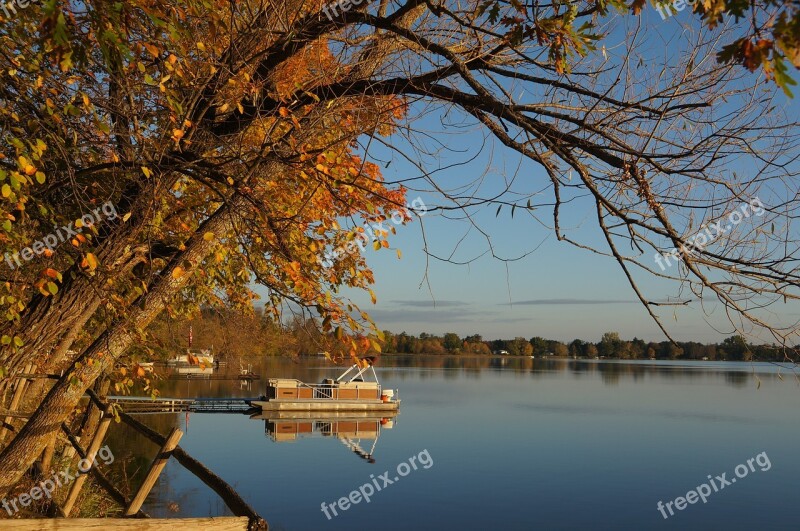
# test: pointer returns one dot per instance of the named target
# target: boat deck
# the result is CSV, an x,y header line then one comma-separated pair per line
x,y
325,405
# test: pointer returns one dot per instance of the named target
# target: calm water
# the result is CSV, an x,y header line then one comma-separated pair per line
x,y
515,444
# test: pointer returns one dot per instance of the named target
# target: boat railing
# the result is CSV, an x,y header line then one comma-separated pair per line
x,y
325,391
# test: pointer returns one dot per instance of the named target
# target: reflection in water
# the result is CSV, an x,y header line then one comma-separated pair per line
x,y
349,427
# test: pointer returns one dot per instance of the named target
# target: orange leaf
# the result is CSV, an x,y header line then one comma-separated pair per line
x,y
151,49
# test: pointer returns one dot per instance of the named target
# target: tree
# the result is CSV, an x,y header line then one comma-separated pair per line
x,y
539,345
591,351
519,347
220,141
609,344
577,348
735,348
452,343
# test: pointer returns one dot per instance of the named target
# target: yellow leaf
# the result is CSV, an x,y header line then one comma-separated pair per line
x,y
126,217
201,46
399,254
146,171
6,191
178,272
91,261
151,49
208,236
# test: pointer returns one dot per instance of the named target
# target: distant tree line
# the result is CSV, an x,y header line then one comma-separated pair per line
x,y
252,335
734,348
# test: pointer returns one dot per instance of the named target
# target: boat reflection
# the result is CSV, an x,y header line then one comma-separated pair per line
x,y
353,429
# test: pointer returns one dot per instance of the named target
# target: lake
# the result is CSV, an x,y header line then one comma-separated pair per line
x,y
502,443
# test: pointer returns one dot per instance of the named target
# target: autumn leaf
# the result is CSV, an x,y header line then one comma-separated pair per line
x,y
90,262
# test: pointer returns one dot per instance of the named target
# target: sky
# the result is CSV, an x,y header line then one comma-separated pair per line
x,y
553,289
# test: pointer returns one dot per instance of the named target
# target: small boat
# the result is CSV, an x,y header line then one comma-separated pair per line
x,y
345,393
204,356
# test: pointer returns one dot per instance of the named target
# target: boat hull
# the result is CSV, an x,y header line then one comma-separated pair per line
x,y
325,416
326,405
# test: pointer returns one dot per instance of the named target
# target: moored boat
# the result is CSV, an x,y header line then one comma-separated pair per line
x,y
203,356
345,393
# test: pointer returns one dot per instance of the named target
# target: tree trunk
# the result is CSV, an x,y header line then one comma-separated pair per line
x,y
101,355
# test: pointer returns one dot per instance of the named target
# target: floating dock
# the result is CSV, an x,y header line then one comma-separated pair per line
x,y
138,404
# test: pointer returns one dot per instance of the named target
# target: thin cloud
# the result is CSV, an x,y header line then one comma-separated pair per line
x,y
431,304
425,316
541,302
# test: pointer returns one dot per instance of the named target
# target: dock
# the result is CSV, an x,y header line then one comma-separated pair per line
x,y
138,404
214,376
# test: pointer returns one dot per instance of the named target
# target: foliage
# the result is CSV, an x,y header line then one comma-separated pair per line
x,y
770,40
734,348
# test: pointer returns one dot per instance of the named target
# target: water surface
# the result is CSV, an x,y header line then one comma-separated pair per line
x,y
515,444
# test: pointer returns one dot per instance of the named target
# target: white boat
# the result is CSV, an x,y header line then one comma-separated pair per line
x,y
340,394
203,356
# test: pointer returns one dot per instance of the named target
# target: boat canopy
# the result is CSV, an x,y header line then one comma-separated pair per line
x,y
359,371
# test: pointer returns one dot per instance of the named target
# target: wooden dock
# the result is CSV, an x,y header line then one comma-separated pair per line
x,y
222,523
138,404
214,376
